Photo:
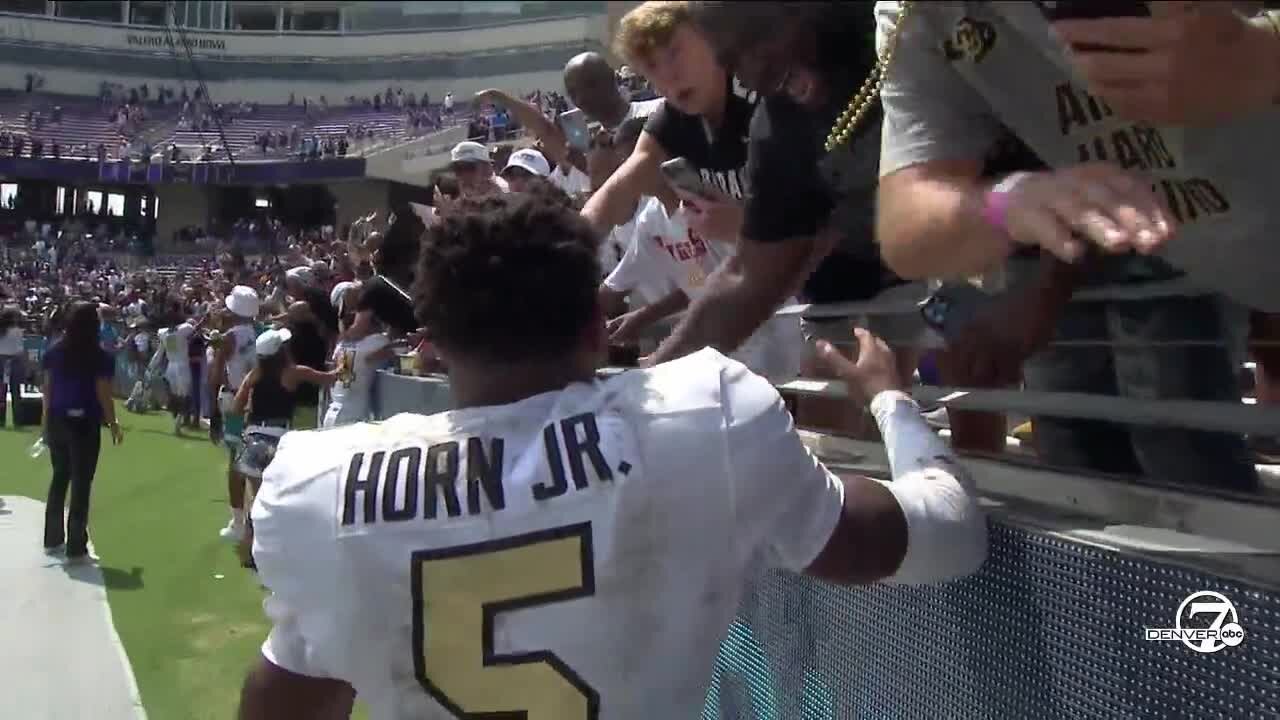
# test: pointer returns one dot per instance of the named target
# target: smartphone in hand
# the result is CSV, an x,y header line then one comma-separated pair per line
x,y
683,176
576,133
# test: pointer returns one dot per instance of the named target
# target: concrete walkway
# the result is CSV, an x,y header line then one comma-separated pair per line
x,y
60,657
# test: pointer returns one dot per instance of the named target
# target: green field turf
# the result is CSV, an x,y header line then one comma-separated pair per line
x,y
158,503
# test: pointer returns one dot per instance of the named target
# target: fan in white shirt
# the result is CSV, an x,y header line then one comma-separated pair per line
x,y
570,179
663,247
559,546
641,281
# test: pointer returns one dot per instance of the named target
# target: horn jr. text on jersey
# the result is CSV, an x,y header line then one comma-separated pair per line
x,y
418,482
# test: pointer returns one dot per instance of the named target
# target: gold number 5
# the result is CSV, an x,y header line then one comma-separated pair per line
x,y
457,594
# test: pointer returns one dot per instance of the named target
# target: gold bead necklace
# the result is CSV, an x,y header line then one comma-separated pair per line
x,y
867,95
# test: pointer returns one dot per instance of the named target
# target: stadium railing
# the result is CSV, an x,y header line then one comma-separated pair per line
x,y
1089,581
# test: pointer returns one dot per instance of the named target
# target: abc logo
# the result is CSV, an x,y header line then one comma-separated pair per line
x,y
1208,622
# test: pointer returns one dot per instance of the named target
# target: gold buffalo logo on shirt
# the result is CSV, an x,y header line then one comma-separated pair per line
x,y
346,368
971,41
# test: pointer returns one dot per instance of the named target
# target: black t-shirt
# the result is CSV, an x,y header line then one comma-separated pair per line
x,y
793,194
388,305
318,301
720,154
309,349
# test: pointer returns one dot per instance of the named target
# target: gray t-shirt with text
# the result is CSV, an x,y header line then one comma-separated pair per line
x,y
963,72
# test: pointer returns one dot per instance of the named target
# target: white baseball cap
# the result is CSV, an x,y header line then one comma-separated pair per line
x,y
342,288
270,342
469,151
243,301
529,160
302,274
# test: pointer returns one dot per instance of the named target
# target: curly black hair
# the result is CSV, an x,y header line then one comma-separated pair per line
x,y
546,191
399,251
508,277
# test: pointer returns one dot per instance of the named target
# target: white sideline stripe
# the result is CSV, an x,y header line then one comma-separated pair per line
x,y
61,659
1243,522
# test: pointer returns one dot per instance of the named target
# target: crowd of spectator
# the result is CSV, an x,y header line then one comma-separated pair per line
x,y
617,103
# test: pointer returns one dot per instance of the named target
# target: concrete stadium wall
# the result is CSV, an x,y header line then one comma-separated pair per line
x,y
180,206
354,199
413,163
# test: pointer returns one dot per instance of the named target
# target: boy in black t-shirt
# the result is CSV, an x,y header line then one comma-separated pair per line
x,y
704,121
700,119
793,218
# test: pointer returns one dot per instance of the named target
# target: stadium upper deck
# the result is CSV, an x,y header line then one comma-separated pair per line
x,y
262,51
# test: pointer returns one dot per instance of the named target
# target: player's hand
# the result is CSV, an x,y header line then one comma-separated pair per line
x,y
1190,63
626,328
717,217
117,434
1095,203
871,374
990,351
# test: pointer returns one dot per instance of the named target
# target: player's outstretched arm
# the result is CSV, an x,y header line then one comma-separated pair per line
x,y
272,693
925,526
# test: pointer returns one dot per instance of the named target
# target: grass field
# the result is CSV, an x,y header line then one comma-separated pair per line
x,y
158,503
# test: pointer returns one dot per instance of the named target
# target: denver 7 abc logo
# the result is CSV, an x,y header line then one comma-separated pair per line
x,y
1222,631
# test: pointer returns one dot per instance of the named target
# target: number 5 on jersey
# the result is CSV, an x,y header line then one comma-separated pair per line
x,y
458,593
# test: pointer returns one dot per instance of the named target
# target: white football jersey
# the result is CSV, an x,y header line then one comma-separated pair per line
x,y
176,343
578,554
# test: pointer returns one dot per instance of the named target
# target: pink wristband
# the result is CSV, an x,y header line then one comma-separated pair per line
x,y
995,206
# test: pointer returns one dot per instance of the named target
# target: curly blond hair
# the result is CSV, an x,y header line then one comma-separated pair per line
x,y
649,27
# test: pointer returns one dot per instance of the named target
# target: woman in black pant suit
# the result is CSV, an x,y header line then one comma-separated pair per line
x,y
77,403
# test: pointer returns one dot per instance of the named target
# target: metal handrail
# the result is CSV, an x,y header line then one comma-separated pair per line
x,y
903,303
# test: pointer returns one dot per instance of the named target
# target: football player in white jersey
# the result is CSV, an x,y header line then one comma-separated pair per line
x,y
561,547
175,343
